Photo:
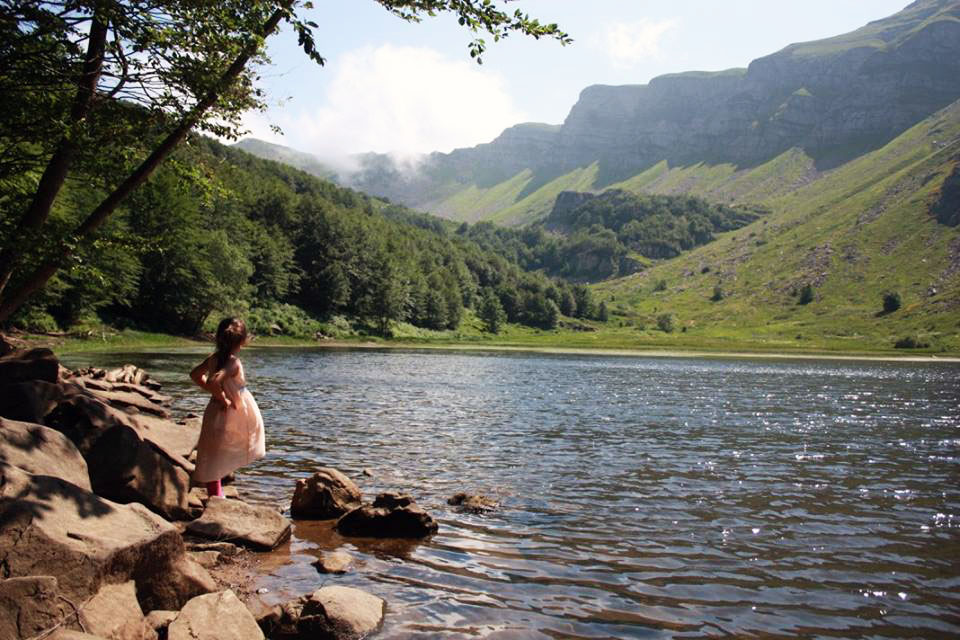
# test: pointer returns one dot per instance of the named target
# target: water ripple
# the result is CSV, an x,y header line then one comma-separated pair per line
x,y
641,498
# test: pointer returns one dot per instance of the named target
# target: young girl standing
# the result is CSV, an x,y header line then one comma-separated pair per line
x,y
232,431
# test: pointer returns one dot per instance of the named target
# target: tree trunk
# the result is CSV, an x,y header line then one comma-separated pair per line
x,y
55,173
44,272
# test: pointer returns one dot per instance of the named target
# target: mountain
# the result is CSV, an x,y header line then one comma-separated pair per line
x,y
820,104
885,222
285,155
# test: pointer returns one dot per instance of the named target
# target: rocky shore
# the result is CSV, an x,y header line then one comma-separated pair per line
x,y
103,536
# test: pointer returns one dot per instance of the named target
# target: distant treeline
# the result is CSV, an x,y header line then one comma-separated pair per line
x,y
590,237
217,230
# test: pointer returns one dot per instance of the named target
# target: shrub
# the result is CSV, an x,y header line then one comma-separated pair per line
x,y
665,322
806,294
910,342
718,294
660,286
891,301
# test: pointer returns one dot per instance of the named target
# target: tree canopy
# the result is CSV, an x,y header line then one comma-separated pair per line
x,y
103,92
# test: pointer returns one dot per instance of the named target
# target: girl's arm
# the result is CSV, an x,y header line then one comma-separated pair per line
x,y
227,395
213,384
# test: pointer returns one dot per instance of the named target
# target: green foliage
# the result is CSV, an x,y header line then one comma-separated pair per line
x,y
806,294
665,322
660,286
891,301
718,294
491,312
602,314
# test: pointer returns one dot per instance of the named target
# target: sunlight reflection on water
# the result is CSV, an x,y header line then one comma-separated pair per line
x,y
640,497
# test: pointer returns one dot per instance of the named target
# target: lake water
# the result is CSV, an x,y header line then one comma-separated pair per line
x,y
641,497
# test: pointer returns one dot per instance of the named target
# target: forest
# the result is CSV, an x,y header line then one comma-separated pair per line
x,y
218,230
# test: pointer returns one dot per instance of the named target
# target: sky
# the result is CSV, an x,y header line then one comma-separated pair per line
x,y
393,87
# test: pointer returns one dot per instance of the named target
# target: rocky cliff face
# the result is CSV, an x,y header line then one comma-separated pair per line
x,y
836,98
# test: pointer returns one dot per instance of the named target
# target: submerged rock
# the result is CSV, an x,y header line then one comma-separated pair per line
x,y
391,516
326,494
472,503
236,521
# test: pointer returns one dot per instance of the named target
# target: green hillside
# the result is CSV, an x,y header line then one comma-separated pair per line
x,y
852,234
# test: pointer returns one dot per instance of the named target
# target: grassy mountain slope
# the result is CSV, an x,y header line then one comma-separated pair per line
x,y
853,234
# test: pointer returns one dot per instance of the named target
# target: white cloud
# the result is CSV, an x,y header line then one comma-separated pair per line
x,y
629,43
402,100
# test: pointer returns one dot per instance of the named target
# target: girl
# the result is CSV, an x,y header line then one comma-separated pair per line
x,y
232,431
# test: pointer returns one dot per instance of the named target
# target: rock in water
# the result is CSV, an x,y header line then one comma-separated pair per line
x,y
215,616
39,450
339,613
327,494
472,504
336,562
51,527
235,521
391,516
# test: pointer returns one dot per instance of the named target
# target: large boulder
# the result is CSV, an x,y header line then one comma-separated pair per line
x,y
31,605
391,516
40,450
114,613
339,613
326,494
25,366
50,527
235,521
216,616
124,465
29,401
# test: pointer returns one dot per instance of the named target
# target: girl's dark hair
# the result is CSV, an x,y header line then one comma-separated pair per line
x,y
231,333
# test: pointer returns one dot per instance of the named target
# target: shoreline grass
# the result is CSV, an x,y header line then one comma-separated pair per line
x,y
515,339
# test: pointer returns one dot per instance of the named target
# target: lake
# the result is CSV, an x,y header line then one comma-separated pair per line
x,y
641,497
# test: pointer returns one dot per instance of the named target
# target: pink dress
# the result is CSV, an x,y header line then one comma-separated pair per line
x,y
229,438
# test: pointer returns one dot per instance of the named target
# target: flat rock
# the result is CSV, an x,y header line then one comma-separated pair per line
x,y
69,634
114,613
223,548
335,562
206,559
39,450
131,399
390,516
215,616
29,365
235,521
29,606
327,494
50,527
